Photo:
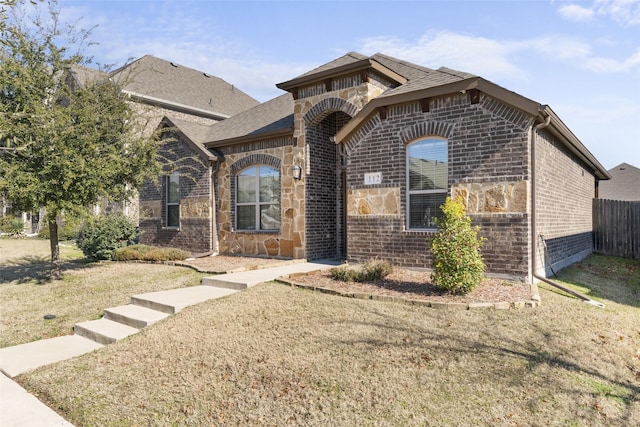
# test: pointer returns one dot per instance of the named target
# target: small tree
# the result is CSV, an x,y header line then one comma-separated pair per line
x,y
64,143
457,263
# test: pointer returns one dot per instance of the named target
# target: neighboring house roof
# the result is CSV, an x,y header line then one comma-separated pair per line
x,y
160,82
412,83
82,74
623,185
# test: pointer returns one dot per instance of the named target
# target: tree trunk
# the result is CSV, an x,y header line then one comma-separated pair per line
x,y
55,250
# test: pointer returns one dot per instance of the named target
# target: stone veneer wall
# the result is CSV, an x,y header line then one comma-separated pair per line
x,y
311,223
488,167
286,242
565,189
321,162
195,233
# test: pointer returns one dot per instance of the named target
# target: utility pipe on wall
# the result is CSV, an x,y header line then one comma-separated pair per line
x,y
534,235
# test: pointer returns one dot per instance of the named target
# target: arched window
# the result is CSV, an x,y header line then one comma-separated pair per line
x,y
427,181
258,198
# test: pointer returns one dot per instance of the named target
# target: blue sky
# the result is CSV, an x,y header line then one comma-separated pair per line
x,y
580,57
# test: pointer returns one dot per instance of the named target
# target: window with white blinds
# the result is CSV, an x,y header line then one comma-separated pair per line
x,y
427,181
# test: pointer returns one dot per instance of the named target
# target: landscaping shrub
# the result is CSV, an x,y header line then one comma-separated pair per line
x,y
68,228
101,235
374,269
13,226
457,263
5,223
149,253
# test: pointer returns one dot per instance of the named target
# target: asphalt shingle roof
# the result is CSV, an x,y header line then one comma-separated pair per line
x,y
623,185
175,83
271,116
346,59
277,114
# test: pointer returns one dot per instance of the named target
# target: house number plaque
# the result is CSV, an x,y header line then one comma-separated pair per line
x,y
373,178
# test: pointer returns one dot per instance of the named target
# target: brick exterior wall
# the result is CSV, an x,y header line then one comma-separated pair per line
x,y
195,233
324,193
565,189
488,166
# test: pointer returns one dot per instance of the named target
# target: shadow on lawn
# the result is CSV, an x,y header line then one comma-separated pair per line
x,y
425,344
33,268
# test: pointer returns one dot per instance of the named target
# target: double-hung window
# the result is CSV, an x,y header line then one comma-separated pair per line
x,y
427,181
258,198
173,200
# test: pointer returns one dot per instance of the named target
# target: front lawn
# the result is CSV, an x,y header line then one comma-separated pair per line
x,y
277,355
86,289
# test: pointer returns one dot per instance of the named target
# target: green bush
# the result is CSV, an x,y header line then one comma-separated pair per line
x,y
457,263
68,230
374,269
149,253
5,223
101,235
14,227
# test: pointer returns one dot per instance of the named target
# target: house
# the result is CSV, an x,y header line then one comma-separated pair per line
x,y
354,160
157,88
624,184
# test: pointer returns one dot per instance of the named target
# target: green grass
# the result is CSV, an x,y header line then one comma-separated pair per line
x,y
604,277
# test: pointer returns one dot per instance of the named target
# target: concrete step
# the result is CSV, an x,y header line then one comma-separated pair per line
x,y
173,301
134,315
25,357
104,331
218,282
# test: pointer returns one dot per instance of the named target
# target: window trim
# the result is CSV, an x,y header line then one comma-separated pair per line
x,y
257,203
409,193
168,203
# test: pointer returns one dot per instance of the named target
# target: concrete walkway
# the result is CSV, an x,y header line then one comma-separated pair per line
x,y
19,408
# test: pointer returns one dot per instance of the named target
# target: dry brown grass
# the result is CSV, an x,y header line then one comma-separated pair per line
x,y
26,295
276,355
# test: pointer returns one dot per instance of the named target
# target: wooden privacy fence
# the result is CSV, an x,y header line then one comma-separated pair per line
x,y
616,228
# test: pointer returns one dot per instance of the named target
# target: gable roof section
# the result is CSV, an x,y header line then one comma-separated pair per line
x,y
159,82
445,81
191,131
352,62
275,117
272,119
624,184
82,75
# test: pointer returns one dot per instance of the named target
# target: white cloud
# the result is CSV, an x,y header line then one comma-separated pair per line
x,y
577,13
497,59
624,12
479,55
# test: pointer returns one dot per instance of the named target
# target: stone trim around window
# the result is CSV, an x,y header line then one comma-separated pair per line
x,y
241,164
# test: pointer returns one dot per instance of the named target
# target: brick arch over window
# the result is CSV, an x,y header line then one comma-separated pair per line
x,y
255,159
322,109
420,130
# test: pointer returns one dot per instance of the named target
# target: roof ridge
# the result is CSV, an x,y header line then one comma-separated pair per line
x,y
624,165
402,62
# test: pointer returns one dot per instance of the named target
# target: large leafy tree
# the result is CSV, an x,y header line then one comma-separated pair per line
x,y
68,137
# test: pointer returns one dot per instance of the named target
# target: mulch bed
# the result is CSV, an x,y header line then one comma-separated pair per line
x,y
405,284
